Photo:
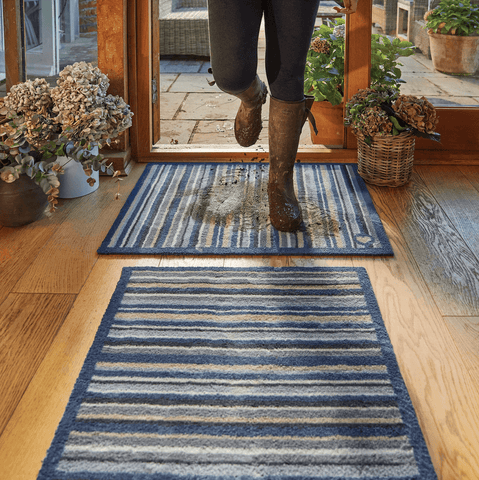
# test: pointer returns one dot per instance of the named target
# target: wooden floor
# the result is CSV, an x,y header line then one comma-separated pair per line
x,y
54,290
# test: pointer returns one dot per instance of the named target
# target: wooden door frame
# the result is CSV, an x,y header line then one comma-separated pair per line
x,y
15,49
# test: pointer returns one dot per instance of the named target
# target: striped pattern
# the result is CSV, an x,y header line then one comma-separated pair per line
x,y
201,373
200,208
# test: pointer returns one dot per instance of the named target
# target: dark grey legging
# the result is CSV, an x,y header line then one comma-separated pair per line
x,y
234,31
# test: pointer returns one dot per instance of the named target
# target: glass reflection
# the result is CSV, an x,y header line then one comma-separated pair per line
x,y
59,33
405,19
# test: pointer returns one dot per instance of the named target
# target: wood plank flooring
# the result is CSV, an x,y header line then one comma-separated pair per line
x,y
54,290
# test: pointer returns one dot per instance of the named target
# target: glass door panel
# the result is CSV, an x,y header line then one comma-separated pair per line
x,y
404,19
59,33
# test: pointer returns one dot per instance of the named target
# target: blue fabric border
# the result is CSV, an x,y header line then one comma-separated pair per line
x,y
251,251
406,408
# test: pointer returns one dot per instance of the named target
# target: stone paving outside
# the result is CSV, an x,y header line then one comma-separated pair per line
x,y
193,112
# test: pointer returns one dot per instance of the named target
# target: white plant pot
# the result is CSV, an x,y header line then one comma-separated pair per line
x,y
73,183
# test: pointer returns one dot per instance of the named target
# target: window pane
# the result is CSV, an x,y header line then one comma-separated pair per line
x,y
404,19
59,33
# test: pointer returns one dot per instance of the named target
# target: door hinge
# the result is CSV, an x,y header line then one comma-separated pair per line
x,y
154,91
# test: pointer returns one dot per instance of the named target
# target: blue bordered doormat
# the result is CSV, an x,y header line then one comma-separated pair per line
x,y
222,209
222,373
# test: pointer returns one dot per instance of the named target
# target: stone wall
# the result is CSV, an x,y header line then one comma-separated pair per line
x,y
88,26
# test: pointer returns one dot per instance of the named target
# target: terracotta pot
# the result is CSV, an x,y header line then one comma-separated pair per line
x,y
330,123
454,54
21,202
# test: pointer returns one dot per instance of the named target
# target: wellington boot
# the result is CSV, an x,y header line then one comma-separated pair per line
x,y
248,123
286,120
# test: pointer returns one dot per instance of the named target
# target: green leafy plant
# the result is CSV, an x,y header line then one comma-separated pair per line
x,y
453,17
324,72
381,111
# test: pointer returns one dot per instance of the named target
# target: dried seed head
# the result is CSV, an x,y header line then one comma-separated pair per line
x,y
375,121
321,46
417,112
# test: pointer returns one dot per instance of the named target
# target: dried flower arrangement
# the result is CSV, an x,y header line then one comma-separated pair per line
x,y
73,119
381,111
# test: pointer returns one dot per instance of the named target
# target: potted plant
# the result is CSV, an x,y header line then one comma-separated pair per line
x,y
385,124
46,128
453,29
324,75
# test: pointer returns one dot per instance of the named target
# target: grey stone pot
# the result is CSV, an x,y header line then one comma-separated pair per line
x,y
21,202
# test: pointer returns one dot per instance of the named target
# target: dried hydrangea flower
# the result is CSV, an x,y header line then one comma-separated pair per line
x,y
84,108
417,112
375,121
321,46
32,95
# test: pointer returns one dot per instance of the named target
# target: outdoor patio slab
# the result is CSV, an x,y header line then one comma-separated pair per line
x,y
419,88
166,81
211,106
194,82
180,66
457,86
222,132
412,65
177,130
170,104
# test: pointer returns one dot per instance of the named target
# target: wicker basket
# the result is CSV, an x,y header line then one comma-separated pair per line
x,y
388,160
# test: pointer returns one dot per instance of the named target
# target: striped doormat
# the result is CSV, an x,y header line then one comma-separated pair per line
x,y
222,373
222,209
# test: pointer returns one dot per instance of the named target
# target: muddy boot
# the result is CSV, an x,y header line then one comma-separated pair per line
x,y
286,120
248,122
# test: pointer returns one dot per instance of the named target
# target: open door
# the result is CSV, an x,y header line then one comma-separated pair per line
x,y
458,125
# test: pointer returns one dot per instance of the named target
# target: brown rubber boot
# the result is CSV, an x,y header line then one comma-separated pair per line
x,y
286,120
248,123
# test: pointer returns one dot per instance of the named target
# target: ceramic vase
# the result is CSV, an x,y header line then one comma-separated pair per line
x,y
73,183
21,202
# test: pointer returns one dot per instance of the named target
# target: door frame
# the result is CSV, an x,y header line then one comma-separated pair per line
x,y
15,54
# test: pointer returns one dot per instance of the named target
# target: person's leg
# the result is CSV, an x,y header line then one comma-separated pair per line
x,y
289,27
234,30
